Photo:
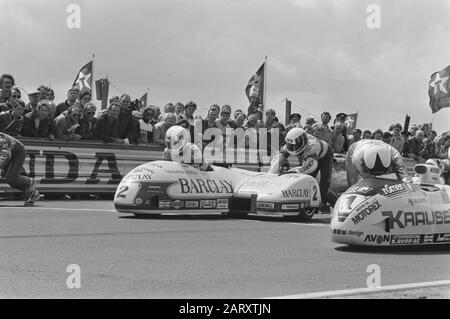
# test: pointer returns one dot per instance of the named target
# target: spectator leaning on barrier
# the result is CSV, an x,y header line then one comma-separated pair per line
x,y
224,118
429,146
72,96
84,97
367,135
160,129
442,145
126,130
13,100
108,124
38,123
387,137
67,123
88,122
146,126
33,98
415,145
179,109
377,134
11,121
157,114
189,111
355,137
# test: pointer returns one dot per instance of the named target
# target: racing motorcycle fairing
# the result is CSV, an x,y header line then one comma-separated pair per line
x,y
383,212
165,187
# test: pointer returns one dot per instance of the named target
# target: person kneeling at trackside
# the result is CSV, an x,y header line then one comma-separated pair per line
x,y
370,158
314,154
12,157
179,150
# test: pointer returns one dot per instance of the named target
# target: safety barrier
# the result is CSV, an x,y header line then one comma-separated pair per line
x,y
97,167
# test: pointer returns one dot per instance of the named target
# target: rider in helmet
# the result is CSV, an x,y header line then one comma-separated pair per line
x,y
179,149
314,154
368,158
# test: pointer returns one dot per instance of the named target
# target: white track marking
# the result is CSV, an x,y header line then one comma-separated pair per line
x,y
359,291
311,224
56,208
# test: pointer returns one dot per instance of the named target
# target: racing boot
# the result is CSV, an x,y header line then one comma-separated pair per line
x,y
30,189
34,197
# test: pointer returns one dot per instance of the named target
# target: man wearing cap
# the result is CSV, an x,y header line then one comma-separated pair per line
x,y
340,118
294,121
72,95
33,98
224,118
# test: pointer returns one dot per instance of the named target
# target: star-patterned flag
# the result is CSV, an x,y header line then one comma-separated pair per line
x,y
143,100
439,90
350,122
84,77
255,86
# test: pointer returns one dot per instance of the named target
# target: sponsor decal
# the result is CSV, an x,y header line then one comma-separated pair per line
x,y
391,190
296,192
442,238
201,186
138,201
413,201
264,205
222,203
208,203
402,219
164,204
191,204
348,232
143,169
289,206
154,189
133,176
379,239
367,211
427,239
359,189
177,204
405,239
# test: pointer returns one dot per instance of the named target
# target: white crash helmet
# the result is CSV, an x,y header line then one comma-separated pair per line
x,y
296,141
377,159
177,137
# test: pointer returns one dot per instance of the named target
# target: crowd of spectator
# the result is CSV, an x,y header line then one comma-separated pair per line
x,y
128,122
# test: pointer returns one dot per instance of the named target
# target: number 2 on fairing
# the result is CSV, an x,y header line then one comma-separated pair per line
x,y
122,190
314,199
126,194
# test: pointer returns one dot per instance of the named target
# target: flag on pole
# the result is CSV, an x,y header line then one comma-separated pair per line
x,y
255,89
143,100
84,77
439,90
350,122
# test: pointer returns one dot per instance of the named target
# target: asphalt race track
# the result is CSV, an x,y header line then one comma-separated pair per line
x,y
121,256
